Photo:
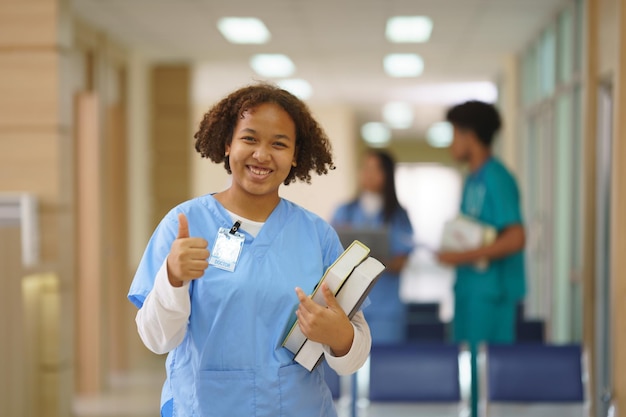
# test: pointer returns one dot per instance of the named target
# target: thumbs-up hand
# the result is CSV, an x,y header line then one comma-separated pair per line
x,y
327,325
188,257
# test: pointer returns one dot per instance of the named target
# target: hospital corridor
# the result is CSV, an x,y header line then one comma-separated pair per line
x,y
104,108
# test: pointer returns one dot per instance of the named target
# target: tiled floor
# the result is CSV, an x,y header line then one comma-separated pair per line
x,y
133,395
137,394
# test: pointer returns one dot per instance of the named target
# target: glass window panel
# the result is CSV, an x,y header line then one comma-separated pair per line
x,y
578,36
529,79
563,181
577,214
565,45
547,62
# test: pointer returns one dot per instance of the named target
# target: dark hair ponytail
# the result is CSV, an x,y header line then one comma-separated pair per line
x,y
390,198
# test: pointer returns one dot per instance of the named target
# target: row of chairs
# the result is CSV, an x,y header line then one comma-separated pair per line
x,y
424,325
515,380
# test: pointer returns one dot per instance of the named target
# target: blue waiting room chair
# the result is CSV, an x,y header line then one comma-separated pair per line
x,y
532,380
414,379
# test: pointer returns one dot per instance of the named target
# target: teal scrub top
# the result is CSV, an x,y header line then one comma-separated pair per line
x,y
231,362
491,196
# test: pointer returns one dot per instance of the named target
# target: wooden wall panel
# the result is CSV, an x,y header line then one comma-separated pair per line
x,y
52,237
89,265
28,24
33,158
30,161
590,72
618,222
29,89
12,364
117,271
171,112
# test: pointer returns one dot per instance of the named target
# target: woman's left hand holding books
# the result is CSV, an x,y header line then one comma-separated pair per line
x,y
327,325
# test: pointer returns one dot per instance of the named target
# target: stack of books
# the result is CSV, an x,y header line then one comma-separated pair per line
x,y
465,233
350,278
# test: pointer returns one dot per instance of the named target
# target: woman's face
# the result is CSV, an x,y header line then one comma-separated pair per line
x,y
262,150
371,175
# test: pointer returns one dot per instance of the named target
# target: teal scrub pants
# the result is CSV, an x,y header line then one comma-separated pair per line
x,y
481,319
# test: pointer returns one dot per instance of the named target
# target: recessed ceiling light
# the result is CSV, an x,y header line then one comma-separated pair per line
x,y
272,65
403,65
376,134
398,114
298,87
409,29
243,30
439,135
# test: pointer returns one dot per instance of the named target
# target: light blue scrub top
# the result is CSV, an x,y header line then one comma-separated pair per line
x,y
231,362
386,315
491,196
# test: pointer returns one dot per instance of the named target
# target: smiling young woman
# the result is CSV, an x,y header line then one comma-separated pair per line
x,y
261,155
215,287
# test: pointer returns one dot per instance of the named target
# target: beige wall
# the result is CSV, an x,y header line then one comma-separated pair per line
x,y
509,97
420,151
35,151
326,192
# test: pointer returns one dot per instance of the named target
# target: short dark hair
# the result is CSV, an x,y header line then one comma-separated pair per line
x,y
313,149
481,118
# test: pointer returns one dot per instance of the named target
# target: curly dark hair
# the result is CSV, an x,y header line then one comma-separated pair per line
x,y
313,149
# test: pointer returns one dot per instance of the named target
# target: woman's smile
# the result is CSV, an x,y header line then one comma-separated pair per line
x,y
259,171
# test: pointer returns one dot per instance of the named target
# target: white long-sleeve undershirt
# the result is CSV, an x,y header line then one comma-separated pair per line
x,y
162,324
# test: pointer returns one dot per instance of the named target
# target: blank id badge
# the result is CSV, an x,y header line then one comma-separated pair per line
x,y
227,249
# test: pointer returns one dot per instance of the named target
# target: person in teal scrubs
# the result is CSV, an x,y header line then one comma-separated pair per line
x,y
222,273
490,280
377,207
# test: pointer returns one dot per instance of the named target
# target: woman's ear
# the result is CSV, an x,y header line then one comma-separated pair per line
x,y
294,163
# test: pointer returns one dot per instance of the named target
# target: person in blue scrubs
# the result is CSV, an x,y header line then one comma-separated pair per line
x,y
377,206
486,298
223,273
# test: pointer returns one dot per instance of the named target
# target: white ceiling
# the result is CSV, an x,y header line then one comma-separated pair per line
x,y
337,46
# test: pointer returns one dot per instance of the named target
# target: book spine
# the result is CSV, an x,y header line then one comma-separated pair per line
x,y
334,277
350,298
310,354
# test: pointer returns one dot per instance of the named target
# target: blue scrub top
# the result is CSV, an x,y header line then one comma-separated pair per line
x,y
231,361
491,196
386,315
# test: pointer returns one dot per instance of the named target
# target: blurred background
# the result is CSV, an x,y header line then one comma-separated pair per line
x,y
99,100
